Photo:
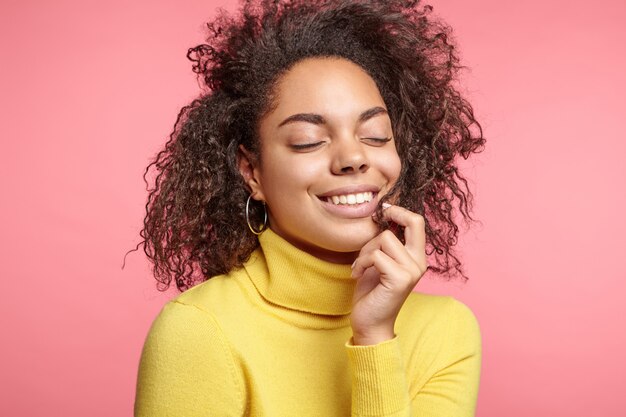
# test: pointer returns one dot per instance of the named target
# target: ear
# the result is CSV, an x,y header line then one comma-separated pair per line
x,y
249,170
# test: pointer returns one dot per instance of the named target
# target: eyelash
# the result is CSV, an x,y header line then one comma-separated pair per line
x,y
305,146
381,140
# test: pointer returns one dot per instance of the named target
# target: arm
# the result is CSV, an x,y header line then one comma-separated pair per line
x,y
379,383
379,378
187,368
453,389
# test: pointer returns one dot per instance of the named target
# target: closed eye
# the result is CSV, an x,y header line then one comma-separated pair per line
x,y
305,146
378,141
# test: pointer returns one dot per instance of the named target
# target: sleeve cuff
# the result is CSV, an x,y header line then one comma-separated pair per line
x,y
379,386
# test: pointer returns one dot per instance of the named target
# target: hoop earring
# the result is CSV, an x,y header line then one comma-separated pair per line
x,y
264,226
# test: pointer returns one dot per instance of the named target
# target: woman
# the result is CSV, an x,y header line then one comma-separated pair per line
x,y
313,183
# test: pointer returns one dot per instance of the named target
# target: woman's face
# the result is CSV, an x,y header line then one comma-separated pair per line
x,y
327,155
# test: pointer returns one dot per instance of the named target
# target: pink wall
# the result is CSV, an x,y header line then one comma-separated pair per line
x,y
89,93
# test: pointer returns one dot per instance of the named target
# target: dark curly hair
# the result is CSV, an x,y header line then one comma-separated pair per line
x,y
195,225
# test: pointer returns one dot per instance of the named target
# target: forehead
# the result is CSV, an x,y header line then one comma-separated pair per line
x,y
334,87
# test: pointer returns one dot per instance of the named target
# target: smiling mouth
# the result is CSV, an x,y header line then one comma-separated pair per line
x,y
350,199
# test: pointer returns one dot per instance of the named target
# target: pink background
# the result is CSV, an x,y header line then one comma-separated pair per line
x,y
90,91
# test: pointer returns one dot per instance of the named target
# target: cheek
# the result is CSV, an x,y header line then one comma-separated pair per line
x,y
391,166
308,171
288,176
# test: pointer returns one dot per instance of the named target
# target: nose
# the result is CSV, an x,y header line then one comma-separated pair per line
x,y
349,156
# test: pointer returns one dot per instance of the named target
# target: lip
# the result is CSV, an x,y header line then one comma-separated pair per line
x,y
351,189
351,211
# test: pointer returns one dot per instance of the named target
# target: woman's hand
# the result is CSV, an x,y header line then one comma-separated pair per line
x,y
386,273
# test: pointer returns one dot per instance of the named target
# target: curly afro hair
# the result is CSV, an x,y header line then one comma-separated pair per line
x,y
195,225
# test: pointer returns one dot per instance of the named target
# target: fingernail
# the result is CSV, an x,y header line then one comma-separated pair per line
x,y
386,205
353,263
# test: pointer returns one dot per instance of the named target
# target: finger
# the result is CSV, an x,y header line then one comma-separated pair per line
x,y
388,243
414,230
386,268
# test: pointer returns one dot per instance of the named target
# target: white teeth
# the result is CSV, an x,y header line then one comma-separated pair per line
x,y
352,198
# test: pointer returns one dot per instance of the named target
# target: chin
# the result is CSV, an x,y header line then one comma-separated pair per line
x,y
339,240
352,241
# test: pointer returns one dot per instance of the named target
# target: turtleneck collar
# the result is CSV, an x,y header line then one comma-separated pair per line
x,y
292,278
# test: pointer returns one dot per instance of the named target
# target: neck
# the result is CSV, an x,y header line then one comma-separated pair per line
x,y
293,278
346,258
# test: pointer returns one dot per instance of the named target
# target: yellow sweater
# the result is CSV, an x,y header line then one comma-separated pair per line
x,y
273,339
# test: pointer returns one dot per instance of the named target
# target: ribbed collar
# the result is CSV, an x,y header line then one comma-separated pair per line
x,y
292,278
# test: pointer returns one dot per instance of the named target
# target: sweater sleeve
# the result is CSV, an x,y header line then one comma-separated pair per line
x,y
379,378
187,368
379,384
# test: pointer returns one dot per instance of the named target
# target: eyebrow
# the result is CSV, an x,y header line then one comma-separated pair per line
x,y
318,119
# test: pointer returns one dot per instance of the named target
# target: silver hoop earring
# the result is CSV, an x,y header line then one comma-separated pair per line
x,y
264,226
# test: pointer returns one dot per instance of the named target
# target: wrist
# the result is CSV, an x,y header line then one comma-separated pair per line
x,y
367,339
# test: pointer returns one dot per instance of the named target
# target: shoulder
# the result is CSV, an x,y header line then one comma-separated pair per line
x,y
185,331
438,309
190,324
215,294
185,356
445,324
